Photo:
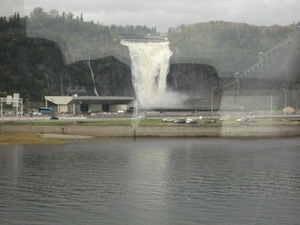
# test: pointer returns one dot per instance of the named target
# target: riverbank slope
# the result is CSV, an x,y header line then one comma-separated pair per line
x,y
156,131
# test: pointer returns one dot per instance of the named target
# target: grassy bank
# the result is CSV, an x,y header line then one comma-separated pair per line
x,y
211,122
8,139
151,127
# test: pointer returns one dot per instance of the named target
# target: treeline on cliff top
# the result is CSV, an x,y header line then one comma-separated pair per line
x,y
47,41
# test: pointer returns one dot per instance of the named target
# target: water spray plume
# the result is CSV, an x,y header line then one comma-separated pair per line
x,y
149,68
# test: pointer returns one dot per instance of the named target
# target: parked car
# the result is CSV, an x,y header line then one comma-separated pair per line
x,y
168,119
191,120
36,113
53,118
244,119
179,121
224,118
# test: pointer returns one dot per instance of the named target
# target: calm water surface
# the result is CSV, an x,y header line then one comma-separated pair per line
x,y
152,181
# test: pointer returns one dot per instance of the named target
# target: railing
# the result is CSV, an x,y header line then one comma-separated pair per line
x,y
263,58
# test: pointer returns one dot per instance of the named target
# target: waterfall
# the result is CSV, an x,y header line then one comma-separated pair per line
x,y
149,69
92,74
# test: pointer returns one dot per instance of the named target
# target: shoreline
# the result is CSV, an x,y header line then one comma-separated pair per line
x,y
64,136
84,132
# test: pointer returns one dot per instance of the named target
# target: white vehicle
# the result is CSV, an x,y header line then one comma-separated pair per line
x,y
224,118
36,113
243,120
168,119
191,120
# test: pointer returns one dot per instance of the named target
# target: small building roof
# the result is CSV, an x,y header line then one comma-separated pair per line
x,y
115,100
110,100
59,100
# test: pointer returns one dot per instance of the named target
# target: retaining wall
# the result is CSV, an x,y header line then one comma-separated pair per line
x,y
159,131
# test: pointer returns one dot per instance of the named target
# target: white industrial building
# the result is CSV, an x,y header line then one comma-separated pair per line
x,y
78,104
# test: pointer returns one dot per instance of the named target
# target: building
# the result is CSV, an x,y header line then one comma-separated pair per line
x,y
77,104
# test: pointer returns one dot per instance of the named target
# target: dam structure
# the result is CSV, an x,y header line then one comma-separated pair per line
x,y
149,69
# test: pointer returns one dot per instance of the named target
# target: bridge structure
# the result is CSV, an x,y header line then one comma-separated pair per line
x,y
148,39
251,89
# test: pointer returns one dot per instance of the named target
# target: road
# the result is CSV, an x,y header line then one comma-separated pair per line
x,y
149,115
152,115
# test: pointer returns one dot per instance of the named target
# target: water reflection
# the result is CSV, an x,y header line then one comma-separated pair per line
x,y
151,181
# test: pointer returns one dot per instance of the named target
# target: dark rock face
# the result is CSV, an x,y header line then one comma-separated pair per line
x,y
42,71
113,78
194,79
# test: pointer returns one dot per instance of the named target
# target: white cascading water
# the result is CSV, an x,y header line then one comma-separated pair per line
x,y
93,77
149,68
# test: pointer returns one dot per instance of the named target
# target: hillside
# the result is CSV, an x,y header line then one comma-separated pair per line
x,y
46,53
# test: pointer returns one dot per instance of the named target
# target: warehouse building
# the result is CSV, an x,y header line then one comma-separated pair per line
x,y
78,104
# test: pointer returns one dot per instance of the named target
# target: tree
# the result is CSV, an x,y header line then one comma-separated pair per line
x,y
36,12
53,13
69,16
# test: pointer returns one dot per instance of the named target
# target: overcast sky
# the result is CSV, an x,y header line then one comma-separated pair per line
x,y
165,13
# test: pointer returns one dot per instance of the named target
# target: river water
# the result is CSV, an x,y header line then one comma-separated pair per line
x,y
152,181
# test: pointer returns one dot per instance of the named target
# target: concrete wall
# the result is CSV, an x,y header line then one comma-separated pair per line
x,y
95,107
62,108
115,108
161,131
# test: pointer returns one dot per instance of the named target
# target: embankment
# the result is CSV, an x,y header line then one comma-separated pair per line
x,y
157,131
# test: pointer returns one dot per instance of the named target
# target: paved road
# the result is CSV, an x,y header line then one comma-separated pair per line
x,y
40,118
131,116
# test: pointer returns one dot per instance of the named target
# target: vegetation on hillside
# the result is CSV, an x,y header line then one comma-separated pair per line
x,y
234,47
35,50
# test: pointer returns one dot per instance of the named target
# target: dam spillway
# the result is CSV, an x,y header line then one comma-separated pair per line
x,y
149,68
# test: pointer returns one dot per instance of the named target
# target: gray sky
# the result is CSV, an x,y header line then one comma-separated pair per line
x,y
165,13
